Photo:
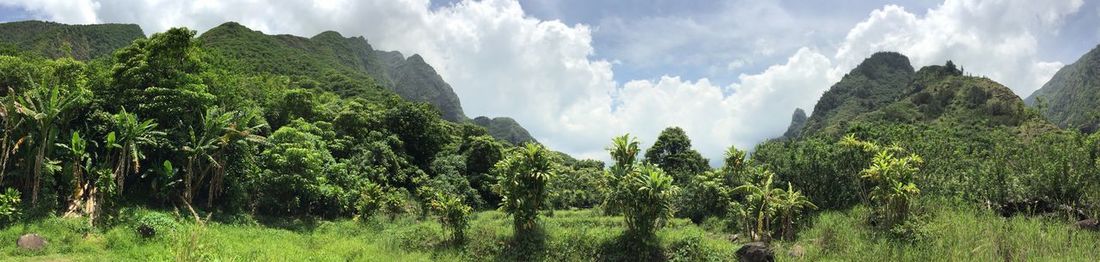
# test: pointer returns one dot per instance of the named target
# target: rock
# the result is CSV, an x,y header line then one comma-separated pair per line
x,y
1090,224
755,252
32,242
796,251
146,231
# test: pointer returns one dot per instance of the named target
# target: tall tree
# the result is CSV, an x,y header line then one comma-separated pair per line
x,y
159,78
673,153
45,108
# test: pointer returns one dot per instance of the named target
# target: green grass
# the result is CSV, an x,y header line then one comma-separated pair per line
x,y
951,232
948,232
569,236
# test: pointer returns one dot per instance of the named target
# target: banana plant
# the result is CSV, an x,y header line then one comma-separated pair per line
x,y
45,108
789,204
761,197
126,144
12,121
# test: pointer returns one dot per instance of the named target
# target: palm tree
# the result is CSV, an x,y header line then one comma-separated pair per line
x,y
761,196
45,108
789,204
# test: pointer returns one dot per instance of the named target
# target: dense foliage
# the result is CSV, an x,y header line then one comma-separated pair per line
x,y
240,127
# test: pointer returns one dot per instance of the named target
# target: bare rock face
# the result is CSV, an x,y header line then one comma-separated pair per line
x,y
755,252
32,242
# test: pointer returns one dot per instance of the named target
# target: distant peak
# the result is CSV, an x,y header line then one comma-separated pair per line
x,y
892,61
799,113
329,34
416,58
231,27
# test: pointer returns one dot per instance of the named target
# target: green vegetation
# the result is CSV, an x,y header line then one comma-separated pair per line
x,y
53,40
1069,98
242,146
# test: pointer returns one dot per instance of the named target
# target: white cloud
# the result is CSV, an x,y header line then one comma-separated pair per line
x,y
503,62
998,39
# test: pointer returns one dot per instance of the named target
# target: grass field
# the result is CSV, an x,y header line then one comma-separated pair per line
x,y
947,232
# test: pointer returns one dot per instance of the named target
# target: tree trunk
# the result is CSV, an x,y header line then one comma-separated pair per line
x,y
76,199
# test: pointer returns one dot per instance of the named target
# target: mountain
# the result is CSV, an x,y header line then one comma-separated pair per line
x,y
505,128
414,79
884,89
330,55
876,82
1071,99
798,121
54,40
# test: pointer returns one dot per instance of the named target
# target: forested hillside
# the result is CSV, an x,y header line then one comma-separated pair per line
x,y
1070,98
237,145
53,40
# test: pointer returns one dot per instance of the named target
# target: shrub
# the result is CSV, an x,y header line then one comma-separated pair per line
x,y
522,178
453,214
891,177
9,207
706,195
645,197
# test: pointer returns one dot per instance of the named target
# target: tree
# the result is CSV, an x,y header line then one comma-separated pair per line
x,y
45,107
159,78
522,178
672,152
421,129
295,166
206,148
707,194
481,153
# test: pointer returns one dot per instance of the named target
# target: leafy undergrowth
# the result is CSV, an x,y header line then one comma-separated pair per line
x,y
946,232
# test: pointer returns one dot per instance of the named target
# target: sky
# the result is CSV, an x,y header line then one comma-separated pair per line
x,y
575,73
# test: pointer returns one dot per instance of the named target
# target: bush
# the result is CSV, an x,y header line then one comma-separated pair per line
x,y
706,195
645,196
9,207
453,214
522,182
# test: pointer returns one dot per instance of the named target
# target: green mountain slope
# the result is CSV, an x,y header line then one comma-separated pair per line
x,y
330,55
883,89
505,128
54,40
876,82
1071,99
